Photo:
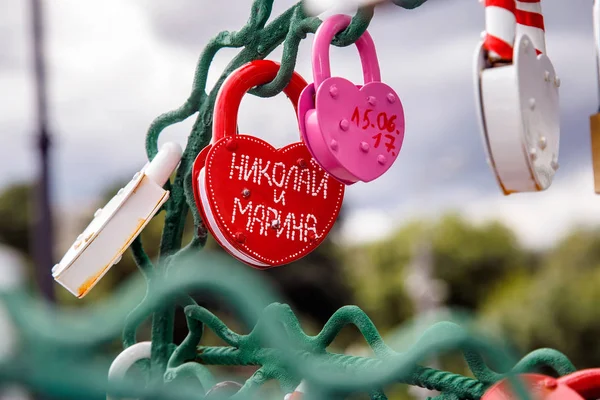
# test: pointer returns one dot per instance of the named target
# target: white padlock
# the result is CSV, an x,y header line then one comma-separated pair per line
x,y
518,107
126,359
298,393
317,7
115,226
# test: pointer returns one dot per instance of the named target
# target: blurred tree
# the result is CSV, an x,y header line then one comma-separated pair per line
x,y
15,220
471,259
376,271
557,305
15,216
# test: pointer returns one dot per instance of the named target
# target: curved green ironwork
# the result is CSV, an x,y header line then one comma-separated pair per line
x,y
61,345
59,351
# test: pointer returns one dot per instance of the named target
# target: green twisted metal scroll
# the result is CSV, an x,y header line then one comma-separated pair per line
x,y
59,352
60,355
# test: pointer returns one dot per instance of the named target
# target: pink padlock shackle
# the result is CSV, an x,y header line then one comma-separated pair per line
x,y
320,55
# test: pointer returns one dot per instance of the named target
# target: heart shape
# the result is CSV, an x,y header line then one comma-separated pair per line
x,y
585,382
269,206
519,118
355,132
539,387
306,102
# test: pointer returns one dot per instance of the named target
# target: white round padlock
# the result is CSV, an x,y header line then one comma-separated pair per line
x,y
320,7
115,226
125,360
298,393
519,115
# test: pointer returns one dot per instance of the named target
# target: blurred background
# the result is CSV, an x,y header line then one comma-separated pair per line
x,y
434,233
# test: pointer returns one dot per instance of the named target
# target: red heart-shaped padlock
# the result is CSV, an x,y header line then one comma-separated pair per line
x,y
539,387
585,382
265,206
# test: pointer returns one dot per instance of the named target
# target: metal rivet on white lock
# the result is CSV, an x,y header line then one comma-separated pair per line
x,y
533,154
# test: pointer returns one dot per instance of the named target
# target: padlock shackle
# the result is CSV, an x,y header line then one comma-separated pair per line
x,y
238,83
320,51
585,382
506,20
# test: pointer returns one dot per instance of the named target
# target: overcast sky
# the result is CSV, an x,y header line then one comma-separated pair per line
x,y
115,65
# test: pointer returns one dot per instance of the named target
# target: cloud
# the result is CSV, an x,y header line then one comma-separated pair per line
x,y
538,219
114,66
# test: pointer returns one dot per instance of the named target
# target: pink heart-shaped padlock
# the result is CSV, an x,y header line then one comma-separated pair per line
x,y
354,132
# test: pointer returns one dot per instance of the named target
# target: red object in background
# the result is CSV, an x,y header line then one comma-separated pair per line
x,y
540,387
265,206
585,382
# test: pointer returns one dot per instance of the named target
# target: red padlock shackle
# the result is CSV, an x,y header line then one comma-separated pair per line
x,y
585,382
238,83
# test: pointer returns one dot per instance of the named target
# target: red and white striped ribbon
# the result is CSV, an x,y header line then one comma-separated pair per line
x,y
505,20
